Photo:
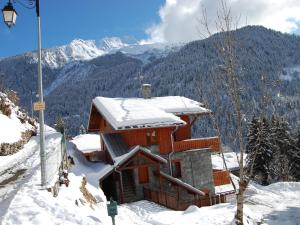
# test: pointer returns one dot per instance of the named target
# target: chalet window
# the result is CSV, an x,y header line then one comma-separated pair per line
x,y
176,169
148,136
151,137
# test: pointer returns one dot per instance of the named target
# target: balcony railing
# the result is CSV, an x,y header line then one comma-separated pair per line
x,y
175,203
212,142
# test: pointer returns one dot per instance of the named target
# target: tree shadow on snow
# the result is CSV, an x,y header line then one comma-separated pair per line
x,y
289,216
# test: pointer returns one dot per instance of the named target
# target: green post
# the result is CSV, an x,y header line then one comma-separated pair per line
x,y
112,210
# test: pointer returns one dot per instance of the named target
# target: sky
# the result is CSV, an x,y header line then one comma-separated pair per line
x,y
147,20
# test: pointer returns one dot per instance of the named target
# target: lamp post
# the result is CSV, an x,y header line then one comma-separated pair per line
x,y
10,16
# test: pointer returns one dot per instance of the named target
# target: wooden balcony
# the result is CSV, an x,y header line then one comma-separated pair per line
x,y
221,177
174,202
212,142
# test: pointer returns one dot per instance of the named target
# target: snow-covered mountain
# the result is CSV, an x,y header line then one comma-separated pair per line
x,y
81,50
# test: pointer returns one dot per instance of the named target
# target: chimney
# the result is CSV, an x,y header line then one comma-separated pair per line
x,y
146,91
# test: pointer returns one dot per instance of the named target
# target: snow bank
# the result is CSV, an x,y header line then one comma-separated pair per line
x,y
87,142
11,127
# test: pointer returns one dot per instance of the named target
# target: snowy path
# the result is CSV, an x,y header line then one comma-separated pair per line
x,y
18,169
23,160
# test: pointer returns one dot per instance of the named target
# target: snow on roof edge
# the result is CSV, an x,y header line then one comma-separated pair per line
x,y
168,119
123,158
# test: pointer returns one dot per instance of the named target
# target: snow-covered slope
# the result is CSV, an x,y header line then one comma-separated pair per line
x,y
13,122
275,204
79,49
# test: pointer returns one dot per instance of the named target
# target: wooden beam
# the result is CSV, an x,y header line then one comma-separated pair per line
x,y
135,166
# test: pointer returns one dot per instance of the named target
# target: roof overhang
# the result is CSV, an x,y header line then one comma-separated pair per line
x,y
121,160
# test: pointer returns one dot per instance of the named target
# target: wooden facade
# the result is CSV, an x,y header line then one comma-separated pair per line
x,y
213,143
221,177
161,136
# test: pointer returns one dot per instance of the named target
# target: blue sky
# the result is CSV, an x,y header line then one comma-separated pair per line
x,y
65,20
150,20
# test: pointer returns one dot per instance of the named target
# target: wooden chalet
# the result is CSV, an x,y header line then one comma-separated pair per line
x,y
150,153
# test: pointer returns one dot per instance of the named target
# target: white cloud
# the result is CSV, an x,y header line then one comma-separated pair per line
x,y
180,18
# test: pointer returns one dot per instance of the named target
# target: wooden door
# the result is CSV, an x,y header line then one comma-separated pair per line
x,y
143,174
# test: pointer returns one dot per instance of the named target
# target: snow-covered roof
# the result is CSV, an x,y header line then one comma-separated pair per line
x,y
231,159
118,161
177,105
123,158
124,113
87,143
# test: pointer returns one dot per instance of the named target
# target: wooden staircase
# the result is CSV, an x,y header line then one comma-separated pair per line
x,y
128,187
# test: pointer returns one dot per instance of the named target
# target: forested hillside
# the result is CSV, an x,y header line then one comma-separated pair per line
x,y
189,72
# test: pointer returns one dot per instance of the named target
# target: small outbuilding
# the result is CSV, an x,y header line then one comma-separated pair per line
x,y
89,145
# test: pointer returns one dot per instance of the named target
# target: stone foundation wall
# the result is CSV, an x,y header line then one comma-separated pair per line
x,y
196,168
9,149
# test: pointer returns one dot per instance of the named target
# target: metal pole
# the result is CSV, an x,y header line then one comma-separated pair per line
x,y
31,104
41,99
113,220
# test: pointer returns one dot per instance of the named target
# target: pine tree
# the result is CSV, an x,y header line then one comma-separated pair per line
x,y
296,155
259,149
283,163
60,125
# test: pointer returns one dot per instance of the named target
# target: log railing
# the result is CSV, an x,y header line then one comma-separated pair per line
x,y
212,142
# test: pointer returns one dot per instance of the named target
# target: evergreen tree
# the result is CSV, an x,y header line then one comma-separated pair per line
x,y
296,155
259,149
60,125
282,166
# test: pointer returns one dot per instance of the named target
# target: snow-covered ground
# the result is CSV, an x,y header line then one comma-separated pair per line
x,y
11,127
275,204
13,134
17,169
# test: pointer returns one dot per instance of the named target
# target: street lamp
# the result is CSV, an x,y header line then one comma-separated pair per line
x,y
10,16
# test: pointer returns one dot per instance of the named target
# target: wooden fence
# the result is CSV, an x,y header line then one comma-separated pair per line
x,y
172,202
213,143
